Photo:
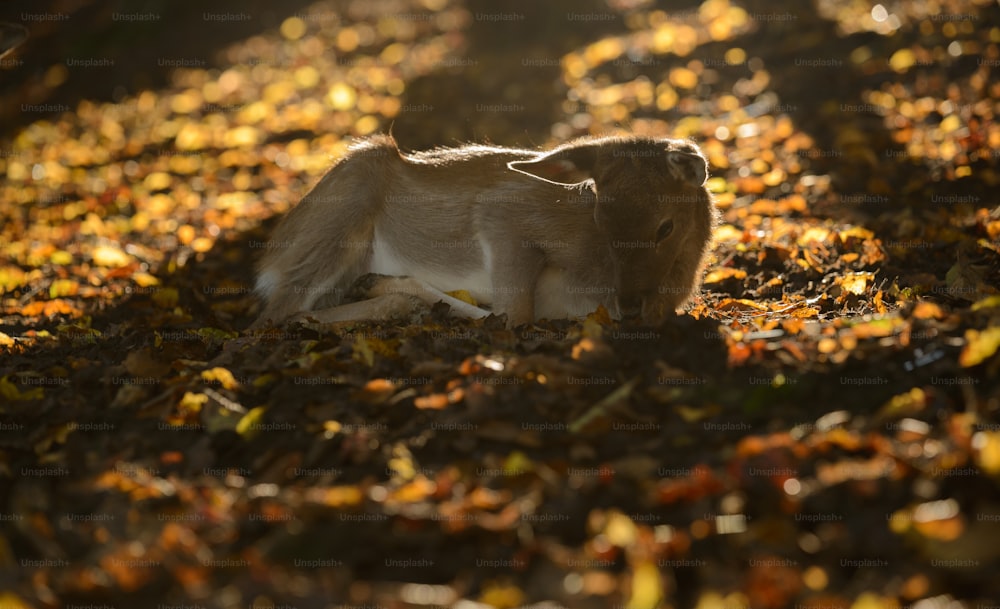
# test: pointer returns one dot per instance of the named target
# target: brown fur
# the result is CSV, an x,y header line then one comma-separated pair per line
x,y
533,233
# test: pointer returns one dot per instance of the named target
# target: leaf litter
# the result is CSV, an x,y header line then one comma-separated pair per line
x,y
826,407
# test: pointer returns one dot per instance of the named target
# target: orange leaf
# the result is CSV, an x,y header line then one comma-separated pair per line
x,y
724,273
434,401
46,308
979,346
740,304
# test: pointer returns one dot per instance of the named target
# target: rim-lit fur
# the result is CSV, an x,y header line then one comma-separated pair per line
x,y
534,234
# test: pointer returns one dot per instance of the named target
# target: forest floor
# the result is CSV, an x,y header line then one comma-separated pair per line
x,y
821,427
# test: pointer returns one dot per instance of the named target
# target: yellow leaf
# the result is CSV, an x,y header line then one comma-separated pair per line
x,y
928,310
871,600
338,496
979,346
223,376
403,467
987,456
647,587
683,78
417,490
902,60
517,463
9,600
215,335
63,287
6,340
264,379
10,391
855,283
725,273
12,277
145,280
904,404
61,258
814,233
990,302
464,296
691,414
620,530
166,298
727,232
110,256
192,402
856,231
250,425
502,596
158,180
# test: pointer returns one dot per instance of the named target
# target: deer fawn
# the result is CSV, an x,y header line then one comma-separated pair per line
x,y
623,222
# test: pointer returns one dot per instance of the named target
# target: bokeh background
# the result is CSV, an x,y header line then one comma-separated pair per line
x,y
819,429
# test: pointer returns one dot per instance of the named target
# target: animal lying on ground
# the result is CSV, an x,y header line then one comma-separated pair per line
x,y
623,222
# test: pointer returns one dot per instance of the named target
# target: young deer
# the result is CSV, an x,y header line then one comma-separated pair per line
x,y
623,222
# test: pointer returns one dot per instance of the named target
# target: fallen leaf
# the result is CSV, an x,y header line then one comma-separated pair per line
x,y
222,376
647,587
979,346
110,256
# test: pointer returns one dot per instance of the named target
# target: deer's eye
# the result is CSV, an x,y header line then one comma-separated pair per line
x,y
664,231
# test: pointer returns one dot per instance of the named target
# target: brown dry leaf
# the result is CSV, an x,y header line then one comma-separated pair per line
x,y
144,363
118,565
793,326
805,313
878,304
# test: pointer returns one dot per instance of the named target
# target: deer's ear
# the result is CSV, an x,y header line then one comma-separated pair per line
x,y
567,166
686,164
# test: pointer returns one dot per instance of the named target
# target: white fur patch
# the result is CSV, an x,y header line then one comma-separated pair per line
x,y
386,261
267,282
